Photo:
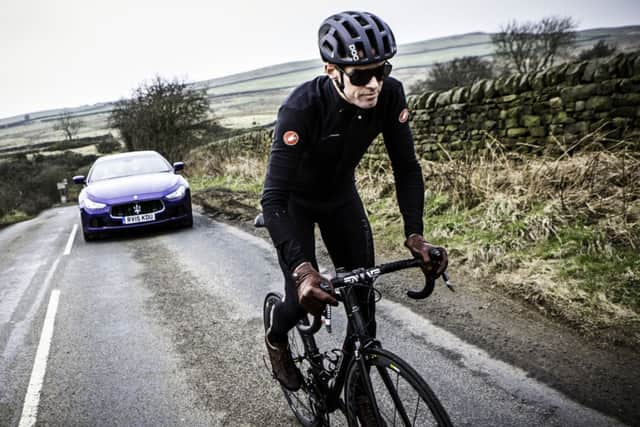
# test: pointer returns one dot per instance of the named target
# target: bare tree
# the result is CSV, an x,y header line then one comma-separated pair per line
x,y
599,50
166,116
463,71
68,124
534,46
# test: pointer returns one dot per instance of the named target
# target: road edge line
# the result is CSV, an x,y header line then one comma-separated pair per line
x,y
32,397
72,236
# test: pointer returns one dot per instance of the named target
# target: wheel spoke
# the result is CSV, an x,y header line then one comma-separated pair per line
x,y
393,392
403,397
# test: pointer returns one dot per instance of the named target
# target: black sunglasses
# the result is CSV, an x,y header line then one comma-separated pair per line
x,y
361,77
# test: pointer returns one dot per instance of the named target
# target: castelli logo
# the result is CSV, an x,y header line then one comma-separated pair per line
x,y
404,116
290,137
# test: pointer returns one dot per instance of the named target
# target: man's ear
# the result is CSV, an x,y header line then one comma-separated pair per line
x,y
331,71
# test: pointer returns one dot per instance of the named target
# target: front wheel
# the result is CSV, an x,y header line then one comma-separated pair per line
x,y
303,403
403,398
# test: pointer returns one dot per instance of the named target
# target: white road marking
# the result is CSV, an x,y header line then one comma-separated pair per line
x,y
67,249
32,398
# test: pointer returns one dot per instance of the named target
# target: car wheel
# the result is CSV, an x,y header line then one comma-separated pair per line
x,y
88,237
188,223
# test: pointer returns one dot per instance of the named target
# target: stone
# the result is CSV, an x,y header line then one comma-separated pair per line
x,y
498,85
621,122
577,128
444,98
599,103
477,90
625,112
537,82
602,73
579,92
575,71
511,122
431,100
489,124
563,118
510,85
607,87
523,83
517,132
579,105
460,95
489,89
507,98
530,121
636,65
589,71
514,111
628,86
503,114
538,131
455,145
555,103
631,99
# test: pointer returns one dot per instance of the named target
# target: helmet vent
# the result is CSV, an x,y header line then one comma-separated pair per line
x,y
372,40
385,41
378,23
352,31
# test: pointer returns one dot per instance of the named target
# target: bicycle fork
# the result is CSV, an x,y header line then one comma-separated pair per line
x,y
366,383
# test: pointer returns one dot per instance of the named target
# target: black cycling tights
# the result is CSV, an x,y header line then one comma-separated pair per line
x,y
347,235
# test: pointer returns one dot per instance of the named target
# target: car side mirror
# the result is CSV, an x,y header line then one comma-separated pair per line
x,y
79,179
178,166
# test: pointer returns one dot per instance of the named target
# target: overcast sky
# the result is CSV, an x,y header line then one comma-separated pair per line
x,y
67,53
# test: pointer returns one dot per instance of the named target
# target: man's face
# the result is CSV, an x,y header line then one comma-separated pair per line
x,y
363,96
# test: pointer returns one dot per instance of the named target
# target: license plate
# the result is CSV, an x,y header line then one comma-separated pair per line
x,y
134,219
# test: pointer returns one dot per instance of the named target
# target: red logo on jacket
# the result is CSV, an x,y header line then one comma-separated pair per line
x,y
404,116
290,137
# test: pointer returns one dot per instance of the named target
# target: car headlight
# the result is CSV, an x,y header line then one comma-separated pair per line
x,y
177,194
90,204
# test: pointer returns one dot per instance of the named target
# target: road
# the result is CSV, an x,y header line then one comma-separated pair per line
x,y
165,328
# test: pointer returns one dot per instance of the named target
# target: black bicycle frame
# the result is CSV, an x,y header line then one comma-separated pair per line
x,y
352,346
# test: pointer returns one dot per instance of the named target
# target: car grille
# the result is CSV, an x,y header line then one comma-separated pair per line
x,y
137,208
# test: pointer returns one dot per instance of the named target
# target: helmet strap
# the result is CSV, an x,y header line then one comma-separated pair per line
x,y
341,83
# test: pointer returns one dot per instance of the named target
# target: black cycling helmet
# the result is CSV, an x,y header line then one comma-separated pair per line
x,y
355,38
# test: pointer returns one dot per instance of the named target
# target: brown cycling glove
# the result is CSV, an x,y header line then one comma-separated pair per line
x,y
420,249
310,296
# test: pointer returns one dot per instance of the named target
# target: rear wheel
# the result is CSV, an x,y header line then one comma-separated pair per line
x,y
402,396
303,402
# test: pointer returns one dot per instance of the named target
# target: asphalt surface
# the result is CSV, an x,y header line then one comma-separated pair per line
x,y
165,328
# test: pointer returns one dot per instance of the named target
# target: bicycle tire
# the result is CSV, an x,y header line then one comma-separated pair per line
x,y
303,402
414,403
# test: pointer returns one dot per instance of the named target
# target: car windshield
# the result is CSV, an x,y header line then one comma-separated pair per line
x,y
127,166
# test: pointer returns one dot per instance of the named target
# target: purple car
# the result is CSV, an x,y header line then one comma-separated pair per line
x,y
131,190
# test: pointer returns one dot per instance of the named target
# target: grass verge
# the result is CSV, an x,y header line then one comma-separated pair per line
x,y
559,231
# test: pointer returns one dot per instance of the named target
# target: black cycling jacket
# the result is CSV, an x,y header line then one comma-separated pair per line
x,y
319,139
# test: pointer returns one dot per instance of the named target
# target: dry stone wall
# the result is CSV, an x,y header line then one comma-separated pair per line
x,y
526,112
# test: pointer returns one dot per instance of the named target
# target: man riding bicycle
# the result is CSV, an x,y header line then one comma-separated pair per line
x,y
322,131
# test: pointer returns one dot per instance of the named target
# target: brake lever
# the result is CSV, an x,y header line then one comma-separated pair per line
x,y
327,309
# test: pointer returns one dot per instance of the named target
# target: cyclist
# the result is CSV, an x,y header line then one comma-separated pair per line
x,y
322,131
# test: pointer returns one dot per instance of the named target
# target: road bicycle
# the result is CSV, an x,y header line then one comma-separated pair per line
x,y
362,374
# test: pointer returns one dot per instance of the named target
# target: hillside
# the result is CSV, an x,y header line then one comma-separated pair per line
x,y
252,98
